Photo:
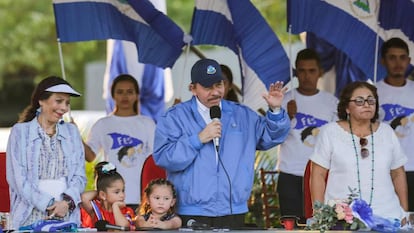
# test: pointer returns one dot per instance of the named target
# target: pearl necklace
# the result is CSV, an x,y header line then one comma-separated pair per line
x,y
357,160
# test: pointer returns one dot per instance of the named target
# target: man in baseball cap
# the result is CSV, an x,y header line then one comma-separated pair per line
x,y
206,72
207,82
208,144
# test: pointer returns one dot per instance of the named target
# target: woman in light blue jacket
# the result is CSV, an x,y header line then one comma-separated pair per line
x,y
45,158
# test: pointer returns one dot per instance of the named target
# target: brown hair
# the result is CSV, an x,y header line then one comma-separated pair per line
x,y
103,178
128,78
231,94
145,207
346,95
40,93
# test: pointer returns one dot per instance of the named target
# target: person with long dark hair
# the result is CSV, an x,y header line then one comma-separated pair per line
x,y
123,128
45,158
107,202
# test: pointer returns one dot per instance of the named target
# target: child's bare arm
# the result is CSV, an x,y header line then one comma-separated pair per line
x,y
86,198
140,222
120,219
173,223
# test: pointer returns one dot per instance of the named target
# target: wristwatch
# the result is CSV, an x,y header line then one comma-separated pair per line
x,y
275,110
51,202
70,202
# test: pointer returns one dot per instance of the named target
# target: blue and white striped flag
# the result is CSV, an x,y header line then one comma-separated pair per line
x,y
158,39
151,79
238,25
155,84
399,15
117,65
352,26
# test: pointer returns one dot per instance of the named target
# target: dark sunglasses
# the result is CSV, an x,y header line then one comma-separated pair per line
x,y
359,101
364,151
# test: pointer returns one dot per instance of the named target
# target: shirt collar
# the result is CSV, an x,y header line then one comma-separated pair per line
x,y
204,111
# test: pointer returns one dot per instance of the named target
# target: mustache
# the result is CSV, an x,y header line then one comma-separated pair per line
x,y
215,97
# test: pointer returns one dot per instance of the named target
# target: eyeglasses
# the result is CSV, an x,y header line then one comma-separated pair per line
x,y
364,151
359,101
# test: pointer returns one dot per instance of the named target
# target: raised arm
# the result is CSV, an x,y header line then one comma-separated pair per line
x,y
86,198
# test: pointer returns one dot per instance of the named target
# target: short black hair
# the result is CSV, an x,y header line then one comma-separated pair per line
x,y
308,54
394,42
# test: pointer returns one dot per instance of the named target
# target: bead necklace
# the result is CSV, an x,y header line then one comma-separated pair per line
x,y
372,162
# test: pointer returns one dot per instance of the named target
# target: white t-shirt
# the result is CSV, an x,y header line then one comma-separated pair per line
x,y
335,151
125,142
397,109
313,112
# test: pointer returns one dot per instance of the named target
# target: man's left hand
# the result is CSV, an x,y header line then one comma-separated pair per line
x,y
275,95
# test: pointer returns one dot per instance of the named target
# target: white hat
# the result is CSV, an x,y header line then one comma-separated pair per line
x,y
63,88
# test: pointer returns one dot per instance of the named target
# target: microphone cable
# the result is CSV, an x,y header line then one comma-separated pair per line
x,y
229,180
215,113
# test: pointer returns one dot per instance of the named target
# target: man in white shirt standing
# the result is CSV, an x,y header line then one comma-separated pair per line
x,y
396,99
308,108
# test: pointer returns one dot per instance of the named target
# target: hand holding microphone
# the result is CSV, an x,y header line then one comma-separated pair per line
x,y
213,130
215,115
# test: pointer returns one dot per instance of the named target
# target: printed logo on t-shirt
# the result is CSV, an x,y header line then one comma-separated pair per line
x,y
399,117
310,126
130,149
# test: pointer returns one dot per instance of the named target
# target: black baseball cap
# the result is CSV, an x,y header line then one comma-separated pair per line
x,y
207,72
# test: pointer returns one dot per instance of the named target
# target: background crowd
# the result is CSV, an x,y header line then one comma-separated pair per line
x,y
361,140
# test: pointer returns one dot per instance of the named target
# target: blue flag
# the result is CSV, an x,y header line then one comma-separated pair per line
x,y
117,66
122,140
158,39
305,120
238,25
352,27
149,77
392,111
398,14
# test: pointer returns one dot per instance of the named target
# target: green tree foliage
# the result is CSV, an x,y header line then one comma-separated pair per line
x,y
29,48
274,11
29,52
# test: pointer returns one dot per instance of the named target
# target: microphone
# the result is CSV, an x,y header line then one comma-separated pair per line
x,y
215,115
191,223
103,225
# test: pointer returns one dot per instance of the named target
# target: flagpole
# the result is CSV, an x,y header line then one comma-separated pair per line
x,y
180,85
376,54
62,65
290,61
